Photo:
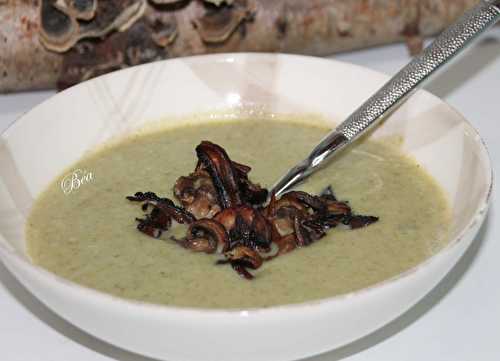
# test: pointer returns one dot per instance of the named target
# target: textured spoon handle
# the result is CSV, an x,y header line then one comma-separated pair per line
x,y
395,91
443,49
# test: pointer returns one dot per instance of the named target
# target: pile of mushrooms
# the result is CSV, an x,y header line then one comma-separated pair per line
x,y
228,214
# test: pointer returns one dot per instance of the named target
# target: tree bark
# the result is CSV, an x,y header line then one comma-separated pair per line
x,y
24,62
314,27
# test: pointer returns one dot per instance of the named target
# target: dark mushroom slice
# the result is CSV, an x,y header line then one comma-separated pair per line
x,y
144,196
305,216
227,218
154,224
58,30
255,220
270,253
241,270
285,244
246,226
164,205
251,193
332,204
315,230
197,194
284,226
237,176
332,215
337,208
306,199
245,234
217,163
148,228
284,202
241,233
328,194
359,221
319,223
196,244
217,25
206,235
284,219
245,255
302,235
284,214
241,258
168,207
241,168
160,218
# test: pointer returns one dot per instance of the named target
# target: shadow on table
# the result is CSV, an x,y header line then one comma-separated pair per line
x,y
427,303
39,310
421,308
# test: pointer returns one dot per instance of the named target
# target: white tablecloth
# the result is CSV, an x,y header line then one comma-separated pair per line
x,y
459,320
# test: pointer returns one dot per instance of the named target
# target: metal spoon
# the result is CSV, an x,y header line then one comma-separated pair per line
x,y
446,46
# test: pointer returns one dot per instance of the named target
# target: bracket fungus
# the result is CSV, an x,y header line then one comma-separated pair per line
x,y
78,9
58,29
65,22
219,23
163,28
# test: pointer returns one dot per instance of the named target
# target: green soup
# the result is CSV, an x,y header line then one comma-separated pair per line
x,y
89,235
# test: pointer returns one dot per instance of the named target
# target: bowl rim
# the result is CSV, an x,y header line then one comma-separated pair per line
x,y
6,250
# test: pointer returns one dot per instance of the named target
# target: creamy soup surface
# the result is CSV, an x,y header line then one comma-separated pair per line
x,y
89,235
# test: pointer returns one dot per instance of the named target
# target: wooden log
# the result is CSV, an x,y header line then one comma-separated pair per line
x,y
188,27
24,62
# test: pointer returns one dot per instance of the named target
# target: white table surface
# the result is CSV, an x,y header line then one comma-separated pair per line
x,y
458,320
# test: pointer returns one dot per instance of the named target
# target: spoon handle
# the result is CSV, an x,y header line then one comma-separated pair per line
x,y
442,50
446,46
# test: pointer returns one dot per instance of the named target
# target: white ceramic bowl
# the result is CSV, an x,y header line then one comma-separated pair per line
x,y
58,132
